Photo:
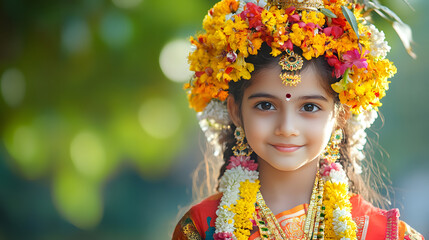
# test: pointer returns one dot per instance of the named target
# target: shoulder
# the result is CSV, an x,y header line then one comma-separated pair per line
x,y
199,221
376,223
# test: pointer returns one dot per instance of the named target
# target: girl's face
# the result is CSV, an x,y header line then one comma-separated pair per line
x,y
286,134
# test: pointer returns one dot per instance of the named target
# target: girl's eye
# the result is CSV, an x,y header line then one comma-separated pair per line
x,y
265,106
310,107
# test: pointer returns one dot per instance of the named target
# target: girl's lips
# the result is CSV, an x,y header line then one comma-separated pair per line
x,y
286,147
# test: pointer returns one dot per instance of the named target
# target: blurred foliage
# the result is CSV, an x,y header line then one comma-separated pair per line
x,y
97,143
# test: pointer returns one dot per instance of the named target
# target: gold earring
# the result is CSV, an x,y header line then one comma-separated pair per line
x,y
332,150
241,148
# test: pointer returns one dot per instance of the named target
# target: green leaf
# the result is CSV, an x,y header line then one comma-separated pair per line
x,y
390,13
350,17
328,13
405,34
345,78
402,29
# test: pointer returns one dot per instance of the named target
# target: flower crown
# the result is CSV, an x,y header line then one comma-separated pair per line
x,y
235,29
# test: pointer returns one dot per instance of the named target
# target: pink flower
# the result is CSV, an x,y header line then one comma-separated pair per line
x,y
350,58
222,236
253,222
294,18
243,161
334,31
327,168
309,26
353,57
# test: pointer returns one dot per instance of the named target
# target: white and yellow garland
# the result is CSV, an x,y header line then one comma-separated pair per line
x,y
240,184
336,199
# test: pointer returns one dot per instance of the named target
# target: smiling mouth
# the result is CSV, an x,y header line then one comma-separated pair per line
x,y
287,148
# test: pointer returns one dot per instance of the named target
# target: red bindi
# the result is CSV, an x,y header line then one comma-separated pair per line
x,y
288,96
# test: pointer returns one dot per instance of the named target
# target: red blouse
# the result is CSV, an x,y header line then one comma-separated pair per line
x,y
372,223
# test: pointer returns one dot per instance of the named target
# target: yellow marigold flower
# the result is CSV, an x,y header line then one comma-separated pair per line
x,y
245,208
297,35
313,17
281,16
255,46
269,20
275,52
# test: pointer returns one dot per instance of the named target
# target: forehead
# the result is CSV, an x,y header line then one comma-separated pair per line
x,y
268,80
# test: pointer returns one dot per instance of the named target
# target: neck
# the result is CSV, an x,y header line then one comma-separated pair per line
x,y
283,190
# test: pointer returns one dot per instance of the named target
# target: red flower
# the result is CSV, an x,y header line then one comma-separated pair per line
x,y
231,56
288,44
290,10
252,13
337,64
339,22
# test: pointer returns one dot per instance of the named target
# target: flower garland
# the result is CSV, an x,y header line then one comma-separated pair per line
x,y
240,185
236,29
338,219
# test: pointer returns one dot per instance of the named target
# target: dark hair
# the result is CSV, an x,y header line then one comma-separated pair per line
x,y
263,60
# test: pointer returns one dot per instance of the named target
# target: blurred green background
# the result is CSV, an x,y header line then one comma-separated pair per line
x,y
96,137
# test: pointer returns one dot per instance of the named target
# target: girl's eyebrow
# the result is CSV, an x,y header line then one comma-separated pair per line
x,y
261,95
301,98
311,97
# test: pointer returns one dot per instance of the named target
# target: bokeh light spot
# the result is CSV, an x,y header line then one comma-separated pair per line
x,y
27,150
173,60
126,3
13,87
116,29
159,118
88,154
78,200
75,36
25,145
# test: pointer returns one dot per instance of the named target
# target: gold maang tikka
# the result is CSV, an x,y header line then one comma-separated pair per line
x,y
290,62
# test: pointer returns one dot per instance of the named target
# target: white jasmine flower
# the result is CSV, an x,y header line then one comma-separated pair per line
x,y
357,167
339,224
215,111
379,47
223,225
338,176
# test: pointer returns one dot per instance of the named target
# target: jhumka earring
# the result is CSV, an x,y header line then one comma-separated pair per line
x,y
241,148
290,62
332,150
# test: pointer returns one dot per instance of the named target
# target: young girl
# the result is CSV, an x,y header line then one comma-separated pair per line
x,y
286,90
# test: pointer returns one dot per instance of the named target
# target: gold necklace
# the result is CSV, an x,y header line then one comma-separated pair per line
x,y
269,227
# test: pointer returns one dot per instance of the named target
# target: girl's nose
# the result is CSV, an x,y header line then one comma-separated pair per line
x,y
287,124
